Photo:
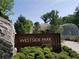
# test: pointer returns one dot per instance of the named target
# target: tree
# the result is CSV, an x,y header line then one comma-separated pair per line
x,y
23,25
51,18
68,19
6,6
36,27
76,14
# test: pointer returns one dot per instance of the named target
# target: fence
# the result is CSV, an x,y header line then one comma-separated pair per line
x,y
49,39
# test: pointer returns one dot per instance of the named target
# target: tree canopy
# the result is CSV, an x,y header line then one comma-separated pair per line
x,y
74,18
36,27
6,6
76,14
50,17
68,19
23,25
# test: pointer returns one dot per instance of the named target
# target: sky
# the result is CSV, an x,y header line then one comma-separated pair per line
x,y
34,9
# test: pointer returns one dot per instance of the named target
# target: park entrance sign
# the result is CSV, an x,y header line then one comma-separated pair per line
x,y
48,39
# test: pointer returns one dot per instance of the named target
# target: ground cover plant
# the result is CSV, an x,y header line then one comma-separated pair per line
x,y
45,53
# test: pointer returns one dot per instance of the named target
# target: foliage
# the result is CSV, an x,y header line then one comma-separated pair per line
x,y
76,14
6,6
23,25
36,27
4,16
68,19
53,19
70,52
32,52
72,18
19,56
65,48
45,53
50,17
77,56
62,55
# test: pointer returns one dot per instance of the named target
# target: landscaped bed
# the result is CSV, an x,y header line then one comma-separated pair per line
x,y
45,53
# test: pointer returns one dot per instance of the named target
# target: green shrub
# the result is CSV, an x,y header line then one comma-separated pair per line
x,y
72,54
63,55
33,52
19,56
77,56
30,56
64,52
67,49
46,50
16,57
25,50
48,54
39,56
45,53
39,53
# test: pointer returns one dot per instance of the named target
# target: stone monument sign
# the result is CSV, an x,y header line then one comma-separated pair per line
x,y
7,35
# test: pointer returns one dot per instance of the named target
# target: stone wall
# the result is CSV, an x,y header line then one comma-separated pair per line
x,y
7,35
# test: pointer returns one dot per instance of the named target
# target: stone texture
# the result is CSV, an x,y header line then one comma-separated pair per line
x,y
7,35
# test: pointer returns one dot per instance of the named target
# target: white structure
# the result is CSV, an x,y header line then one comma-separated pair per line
x,y
69,31
44,26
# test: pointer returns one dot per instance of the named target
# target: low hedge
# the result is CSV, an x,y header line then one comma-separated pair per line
x,y
45,53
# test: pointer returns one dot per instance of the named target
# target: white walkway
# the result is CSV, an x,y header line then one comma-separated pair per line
x,y
73,45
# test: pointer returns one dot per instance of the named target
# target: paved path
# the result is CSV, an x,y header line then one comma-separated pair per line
x,y
73,45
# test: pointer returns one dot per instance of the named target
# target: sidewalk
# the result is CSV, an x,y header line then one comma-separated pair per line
x,y
73,45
